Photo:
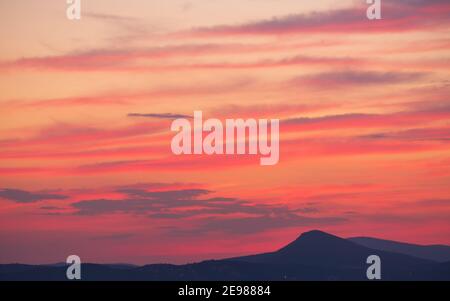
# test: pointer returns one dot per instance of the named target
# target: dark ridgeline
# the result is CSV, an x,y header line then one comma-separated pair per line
x,y
439,253
314,255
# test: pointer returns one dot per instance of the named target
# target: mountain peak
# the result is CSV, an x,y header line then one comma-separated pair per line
x,y
315,239
315,234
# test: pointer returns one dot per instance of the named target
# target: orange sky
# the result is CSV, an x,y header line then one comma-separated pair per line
x,y
363,105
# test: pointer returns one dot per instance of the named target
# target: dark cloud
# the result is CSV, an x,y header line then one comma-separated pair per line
x,y
398,15
350,78
425,134
112,164
166,195
433,202
409,117
149,185
22,196
140,201
330,118
418,2
108,17
308,210
50,208
160,116
168,206
211,213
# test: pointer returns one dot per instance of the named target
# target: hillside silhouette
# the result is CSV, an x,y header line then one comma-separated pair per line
x,y
314,255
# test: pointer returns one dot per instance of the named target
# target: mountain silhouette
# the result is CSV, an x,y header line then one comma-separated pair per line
x,y
439,253
314,248
314,255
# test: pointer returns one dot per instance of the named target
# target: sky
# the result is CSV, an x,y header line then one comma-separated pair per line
x,y
86,106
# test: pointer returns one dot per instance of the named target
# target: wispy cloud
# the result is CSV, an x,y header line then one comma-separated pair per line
x,y
419,134
22,196
397,16
160,115
365,120
216,214
346,78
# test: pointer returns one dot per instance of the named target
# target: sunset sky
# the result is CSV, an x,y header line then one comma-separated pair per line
x,y
85,161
